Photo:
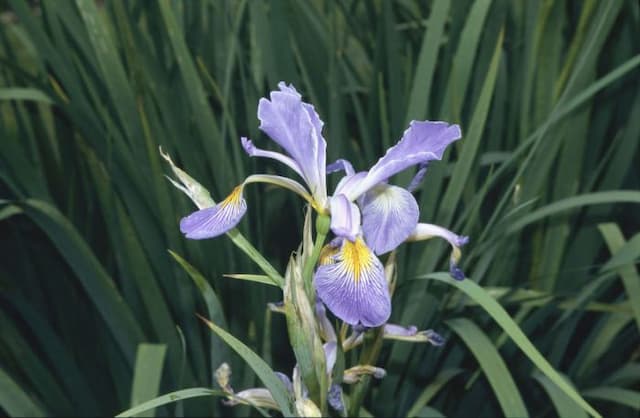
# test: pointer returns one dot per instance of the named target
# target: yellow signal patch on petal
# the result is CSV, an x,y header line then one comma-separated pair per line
x,y
234,198
357,258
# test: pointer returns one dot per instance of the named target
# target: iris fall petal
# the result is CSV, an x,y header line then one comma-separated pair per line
x,y
354,287
216,220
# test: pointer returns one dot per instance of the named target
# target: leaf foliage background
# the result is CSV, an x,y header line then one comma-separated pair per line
x,y
545,181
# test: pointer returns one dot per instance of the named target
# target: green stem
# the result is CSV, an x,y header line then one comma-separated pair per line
x,y
369,356
322,229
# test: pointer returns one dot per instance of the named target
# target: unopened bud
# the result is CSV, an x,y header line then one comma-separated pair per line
x,y
306,408
222,375
259,397
354,374
196,192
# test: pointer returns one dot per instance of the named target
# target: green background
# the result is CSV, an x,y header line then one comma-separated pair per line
x,y
545,182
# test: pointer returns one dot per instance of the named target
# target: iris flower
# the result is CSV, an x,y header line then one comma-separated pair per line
x,y
369,217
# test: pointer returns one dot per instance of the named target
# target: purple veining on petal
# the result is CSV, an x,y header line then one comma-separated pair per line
x,y
345,217
421,142
216,220
354,288
296,127
389,215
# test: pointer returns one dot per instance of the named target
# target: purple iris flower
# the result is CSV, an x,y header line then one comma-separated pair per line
x,y
368,216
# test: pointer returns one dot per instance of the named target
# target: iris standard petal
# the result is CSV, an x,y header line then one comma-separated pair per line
x,y
421,142
389,215
345,217
349,182
296,127
353,287
215,220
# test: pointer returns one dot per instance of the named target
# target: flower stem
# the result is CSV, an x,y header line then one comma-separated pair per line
x,y
322,229
370,354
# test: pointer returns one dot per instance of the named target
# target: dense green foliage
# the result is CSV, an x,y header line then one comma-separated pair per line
x,y
545,181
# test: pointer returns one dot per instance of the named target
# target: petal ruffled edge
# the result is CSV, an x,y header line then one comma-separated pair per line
x,y
296,127
423,141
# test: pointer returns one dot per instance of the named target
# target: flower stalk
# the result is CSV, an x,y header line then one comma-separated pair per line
x,y
322,230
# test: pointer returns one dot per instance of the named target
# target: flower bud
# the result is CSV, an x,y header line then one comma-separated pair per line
x,y
354,374
306,408
196,192
223,374
259,397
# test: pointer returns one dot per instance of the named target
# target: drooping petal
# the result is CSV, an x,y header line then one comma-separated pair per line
x,y
411,334
216,220
421,142
339,165
354,287
281,181
296,127
416,181
345,218
330,354
389,215
335,397
400,331
254,151
428,231
326,328
285,381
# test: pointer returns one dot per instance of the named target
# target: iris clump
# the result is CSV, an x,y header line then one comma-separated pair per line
x,y
369,216
363,218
